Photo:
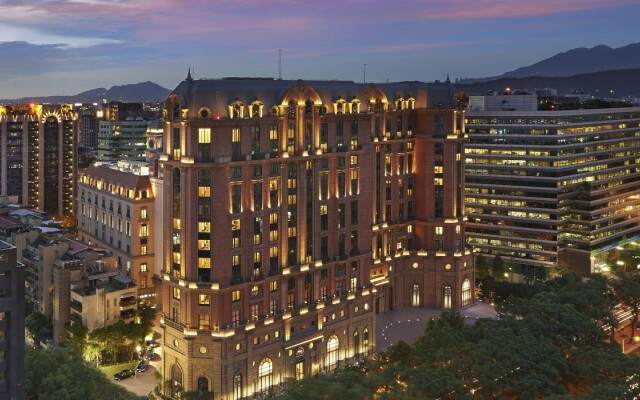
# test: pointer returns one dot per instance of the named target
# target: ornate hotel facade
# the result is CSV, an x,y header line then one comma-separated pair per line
x,y
296,212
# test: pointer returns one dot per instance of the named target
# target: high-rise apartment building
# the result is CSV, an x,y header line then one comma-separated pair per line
x,y
37,155
297,211
11,324
546,188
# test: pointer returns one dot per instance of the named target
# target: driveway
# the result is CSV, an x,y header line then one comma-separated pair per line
x,y
408,323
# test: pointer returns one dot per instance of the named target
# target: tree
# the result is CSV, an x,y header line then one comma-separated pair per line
x,y
35,323
61,374
627,290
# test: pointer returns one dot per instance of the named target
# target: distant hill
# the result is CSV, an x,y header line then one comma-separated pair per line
x,y
145,91
625,82
577,61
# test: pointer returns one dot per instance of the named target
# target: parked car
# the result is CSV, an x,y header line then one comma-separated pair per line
x,y
142,366
150,354
124,374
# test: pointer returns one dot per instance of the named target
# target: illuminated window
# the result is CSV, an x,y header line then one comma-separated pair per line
x,y
415,295
265,375
466,292
204,135
204,299
203,321
204,245
439,230
144,231
204,262
143,213
332,352
143,267
273,286
447,297
235,295
176,293
204,227
143,250
237,387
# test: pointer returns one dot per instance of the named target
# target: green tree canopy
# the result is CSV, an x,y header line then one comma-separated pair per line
x,y
62,375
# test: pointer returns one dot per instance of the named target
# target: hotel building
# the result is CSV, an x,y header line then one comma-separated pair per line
x,y
297,211
37,156
547,188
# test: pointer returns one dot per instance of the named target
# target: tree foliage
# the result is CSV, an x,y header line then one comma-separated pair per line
x,y
35,323
547,343
62,375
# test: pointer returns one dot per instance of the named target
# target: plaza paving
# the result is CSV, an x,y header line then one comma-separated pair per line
x,y
408,323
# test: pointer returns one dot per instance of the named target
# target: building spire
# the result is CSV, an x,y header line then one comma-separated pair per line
x,y
189,78
448,80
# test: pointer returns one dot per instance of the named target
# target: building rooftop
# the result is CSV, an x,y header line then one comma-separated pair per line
x,y
217,95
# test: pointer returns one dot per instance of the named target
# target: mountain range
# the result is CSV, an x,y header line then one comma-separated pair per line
x,y
616,83
575,62
137,92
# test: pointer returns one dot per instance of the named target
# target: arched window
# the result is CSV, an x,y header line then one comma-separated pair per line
x,y
176,379
256,109
447,297
291,112
237,110
356,343
265,375
308,109
332,352
340,106
466,293
400,104
365,340
237,386
415,295
203,385
355,106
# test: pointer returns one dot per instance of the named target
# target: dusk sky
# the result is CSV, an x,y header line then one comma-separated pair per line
x,y
65,47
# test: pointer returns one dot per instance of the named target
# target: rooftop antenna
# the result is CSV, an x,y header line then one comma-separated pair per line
x,y
280,64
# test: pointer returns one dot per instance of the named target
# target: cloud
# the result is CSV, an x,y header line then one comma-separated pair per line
x,y
416,46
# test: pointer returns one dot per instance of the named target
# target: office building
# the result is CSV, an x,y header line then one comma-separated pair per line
x,y
37,156
547,188
89,116
122,140
11,324
116,212
294,213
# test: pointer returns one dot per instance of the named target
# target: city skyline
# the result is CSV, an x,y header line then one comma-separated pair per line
x,y
66,47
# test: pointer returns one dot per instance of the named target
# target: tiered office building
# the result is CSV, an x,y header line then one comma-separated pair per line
x,y
551,188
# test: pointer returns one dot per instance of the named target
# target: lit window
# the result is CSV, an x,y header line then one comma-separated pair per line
x,y
204,135
143,250
143,267
176,293
439,230
273,286
144,231
204,263
143,213
235,295
204,299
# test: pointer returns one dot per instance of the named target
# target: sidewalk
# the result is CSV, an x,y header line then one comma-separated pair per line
x,y
624,334
408,323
